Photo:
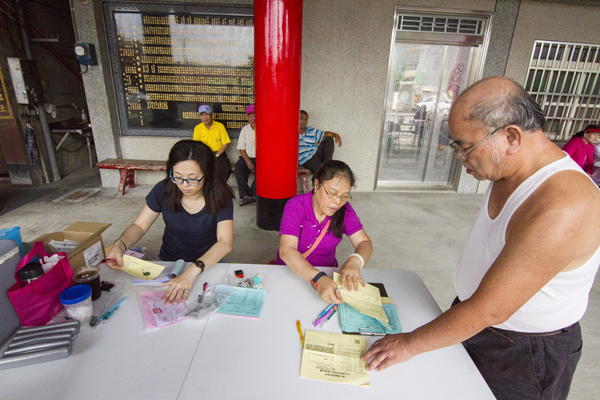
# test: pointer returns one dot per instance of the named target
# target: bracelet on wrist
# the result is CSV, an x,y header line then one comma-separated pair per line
x,y
122,242
362,260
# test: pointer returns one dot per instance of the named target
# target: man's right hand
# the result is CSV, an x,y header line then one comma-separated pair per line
x,y
250,165
390,350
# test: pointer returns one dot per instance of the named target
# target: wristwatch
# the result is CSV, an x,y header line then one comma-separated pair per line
x,y
318,276
199,264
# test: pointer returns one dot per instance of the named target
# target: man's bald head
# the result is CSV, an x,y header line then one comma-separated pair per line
x,y
495,102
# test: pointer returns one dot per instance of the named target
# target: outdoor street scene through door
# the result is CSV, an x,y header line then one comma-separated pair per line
x,y
425,81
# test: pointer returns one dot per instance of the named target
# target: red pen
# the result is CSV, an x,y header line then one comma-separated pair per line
x,y
114,260
203,291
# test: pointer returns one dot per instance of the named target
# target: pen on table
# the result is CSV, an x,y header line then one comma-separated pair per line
x,y
331,315
203,291
324,317
300,332
112,310
325,321
325,310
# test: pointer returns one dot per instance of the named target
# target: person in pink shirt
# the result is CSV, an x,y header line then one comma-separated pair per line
x,y
312,226
581,147
596,173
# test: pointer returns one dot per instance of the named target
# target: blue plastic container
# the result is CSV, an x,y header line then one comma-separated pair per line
x,y
78,302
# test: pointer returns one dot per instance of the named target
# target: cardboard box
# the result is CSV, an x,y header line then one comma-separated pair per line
x,y
90,250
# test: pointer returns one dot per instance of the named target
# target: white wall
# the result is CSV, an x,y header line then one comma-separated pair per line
x,y
346,50
345,56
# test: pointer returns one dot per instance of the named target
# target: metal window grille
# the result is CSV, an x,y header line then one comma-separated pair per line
x,y
441,24
564,79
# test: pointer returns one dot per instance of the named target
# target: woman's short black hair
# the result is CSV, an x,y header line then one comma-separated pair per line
x,y
216,191
330,170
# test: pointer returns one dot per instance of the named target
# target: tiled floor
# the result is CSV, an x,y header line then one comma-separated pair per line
x,y
424,233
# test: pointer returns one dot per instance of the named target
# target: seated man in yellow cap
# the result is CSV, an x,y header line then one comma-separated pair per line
x,y
213,134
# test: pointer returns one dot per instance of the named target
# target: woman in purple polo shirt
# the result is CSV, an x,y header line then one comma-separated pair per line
x,y
312,226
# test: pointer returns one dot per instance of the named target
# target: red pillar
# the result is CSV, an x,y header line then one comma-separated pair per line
x,y
277,66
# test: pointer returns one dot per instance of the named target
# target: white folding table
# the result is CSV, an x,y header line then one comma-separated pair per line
x,y
228,357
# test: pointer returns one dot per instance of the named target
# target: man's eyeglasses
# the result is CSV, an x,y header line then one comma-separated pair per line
x,y
462,153
343,197
179,181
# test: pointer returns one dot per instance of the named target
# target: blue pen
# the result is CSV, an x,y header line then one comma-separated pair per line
x,y
324,317
112,310
325,310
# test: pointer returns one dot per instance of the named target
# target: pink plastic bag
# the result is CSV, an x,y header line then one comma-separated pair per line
x,y
37,302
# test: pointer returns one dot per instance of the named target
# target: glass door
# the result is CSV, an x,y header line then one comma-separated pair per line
x,y
425,80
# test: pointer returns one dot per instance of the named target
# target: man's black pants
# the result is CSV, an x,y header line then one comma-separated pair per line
x,y
324,153
526,366
242,174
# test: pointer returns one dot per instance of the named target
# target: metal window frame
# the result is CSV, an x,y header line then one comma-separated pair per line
x,y
562,77
433,24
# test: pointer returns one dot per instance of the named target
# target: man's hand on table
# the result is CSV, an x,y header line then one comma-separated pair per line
x,y
390,350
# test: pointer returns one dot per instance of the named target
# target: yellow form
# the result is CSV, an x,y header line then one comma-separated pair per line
x,y
140,268
333,357
366,300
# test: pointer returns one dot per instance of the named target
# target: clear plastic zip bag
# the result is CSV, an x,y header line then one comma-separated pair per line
x,y
213,298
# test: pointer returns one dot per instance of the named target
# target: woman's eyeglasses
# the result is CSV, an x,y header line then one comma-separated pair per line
x,y
179,181
343,197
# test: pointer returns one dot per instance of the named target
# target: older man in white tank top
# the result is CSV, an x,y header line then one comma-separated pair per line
x,y
525,274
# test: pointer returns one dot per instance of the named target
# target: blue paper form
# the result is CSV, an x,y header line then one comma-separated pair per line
x,y
244,302
353,321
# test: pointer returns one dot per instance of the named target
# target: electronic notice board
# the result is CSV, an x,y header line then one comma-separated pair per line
x,y
167,60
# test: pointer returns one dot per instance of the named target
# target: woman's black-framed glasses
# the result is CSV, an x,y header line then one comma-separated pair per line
x,y
179,181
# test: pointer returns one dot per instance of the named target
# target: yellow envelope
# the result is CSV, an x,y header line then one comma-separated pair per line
x,y
140,268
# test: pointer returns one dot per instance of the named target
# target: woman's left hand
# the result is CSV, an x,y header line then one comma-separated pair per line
x,y
350,274
180,287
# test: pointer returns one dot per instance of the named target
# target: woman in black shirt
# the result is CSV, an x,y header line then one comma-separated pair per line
x,y
197,208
